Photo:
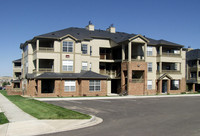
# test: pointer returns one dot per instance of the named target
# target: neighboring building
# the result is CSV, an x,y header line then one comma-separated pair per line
x,y
16,73
89,62
193,70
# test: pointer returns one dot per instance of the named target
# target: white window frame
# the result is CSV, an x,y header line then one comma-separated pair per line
x,y
149,51
149,84
95,85
84,65
84,48
67,65
150,67
68,46
70,86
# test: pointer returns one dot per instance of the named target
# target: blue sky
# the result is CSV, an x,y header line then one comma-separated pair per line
x,y
20,20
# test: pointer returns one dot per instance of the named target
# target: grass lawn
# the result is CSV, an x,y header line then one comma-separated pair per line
x,y
42,110
3,118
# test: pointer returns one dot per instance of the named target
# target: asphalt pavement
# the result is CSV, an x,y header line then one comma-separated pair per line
x,y
175,116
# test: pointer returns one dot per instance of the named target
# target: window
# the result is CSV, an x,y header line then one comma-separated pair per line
x,y
95,85
149,65
84,48
70,85
90,50
67,65
174,84
149,51
84,65
149,85
67,46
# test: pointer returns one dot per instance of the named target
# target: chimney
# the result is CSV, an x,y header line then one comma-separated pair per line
x,y
90,26
111,29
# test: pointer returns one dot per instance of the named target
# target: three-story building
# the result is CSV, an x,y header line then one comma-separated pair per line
x,y
90,62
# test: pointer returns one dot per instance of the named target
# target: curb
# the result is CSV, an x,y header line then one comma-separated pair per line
x,y
118,97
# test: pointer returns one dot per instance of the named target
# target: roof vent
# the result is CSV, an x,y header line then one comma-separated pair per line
x,y
111,29
90,26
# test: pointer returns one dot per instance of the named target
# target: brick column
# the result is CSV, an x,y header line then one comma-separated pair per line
x,y
168,86
193,87
39,87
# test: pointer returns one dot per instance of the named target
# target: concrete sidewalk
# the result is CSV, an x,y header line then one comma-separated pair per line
x,y
115,97
12,112
22,124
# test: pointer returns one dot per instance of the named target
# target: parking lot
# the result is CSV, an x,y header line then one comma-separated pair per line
x,y
178,116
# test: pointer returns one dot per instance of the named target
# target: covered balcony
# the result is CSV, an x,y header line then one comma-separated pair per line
x,y
169,51
43,45
112,70
134,51
170,68
43,65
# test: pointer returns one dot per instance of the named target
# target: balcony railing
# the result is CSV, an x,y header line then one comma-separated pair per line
x,y
46,49
139,80
171,54
44,70
170,71
111,73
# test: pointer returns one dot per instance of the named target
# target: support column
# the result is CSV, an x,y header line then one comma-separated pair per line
x,y
37,45
160,63
181,51
145,52
160,50
37,65
129,51
123,52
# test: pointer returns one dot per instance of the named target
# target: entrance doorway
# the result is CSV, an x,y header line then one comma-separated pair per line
x,y
164,86
115,85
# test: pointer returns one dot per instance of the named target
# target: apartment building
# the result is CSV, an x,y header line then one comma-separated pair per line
x,y
91,62
193,70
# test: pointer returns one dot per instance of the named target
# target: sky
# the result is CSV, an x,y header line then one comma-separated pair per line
x,y
20,20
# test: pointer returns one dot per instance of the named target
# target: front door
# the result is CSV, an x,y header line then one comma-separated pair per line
x,y
164,86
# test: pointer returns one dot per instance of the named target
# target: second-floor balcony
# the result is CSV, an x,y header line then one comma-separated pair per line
x,y
46,49
169,71
44,65
166,54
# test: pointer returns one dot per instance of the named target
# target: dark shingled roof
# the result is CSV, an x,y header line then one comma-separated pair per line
x,y
82,33
193,54
82,75
18,60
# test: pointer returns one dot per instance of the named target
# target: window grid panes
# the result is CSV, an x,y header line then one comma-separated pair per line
x,y
149,65
84,48
67,46
67,65
84,65
149,51
95,85
70,85
149,85
174,84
